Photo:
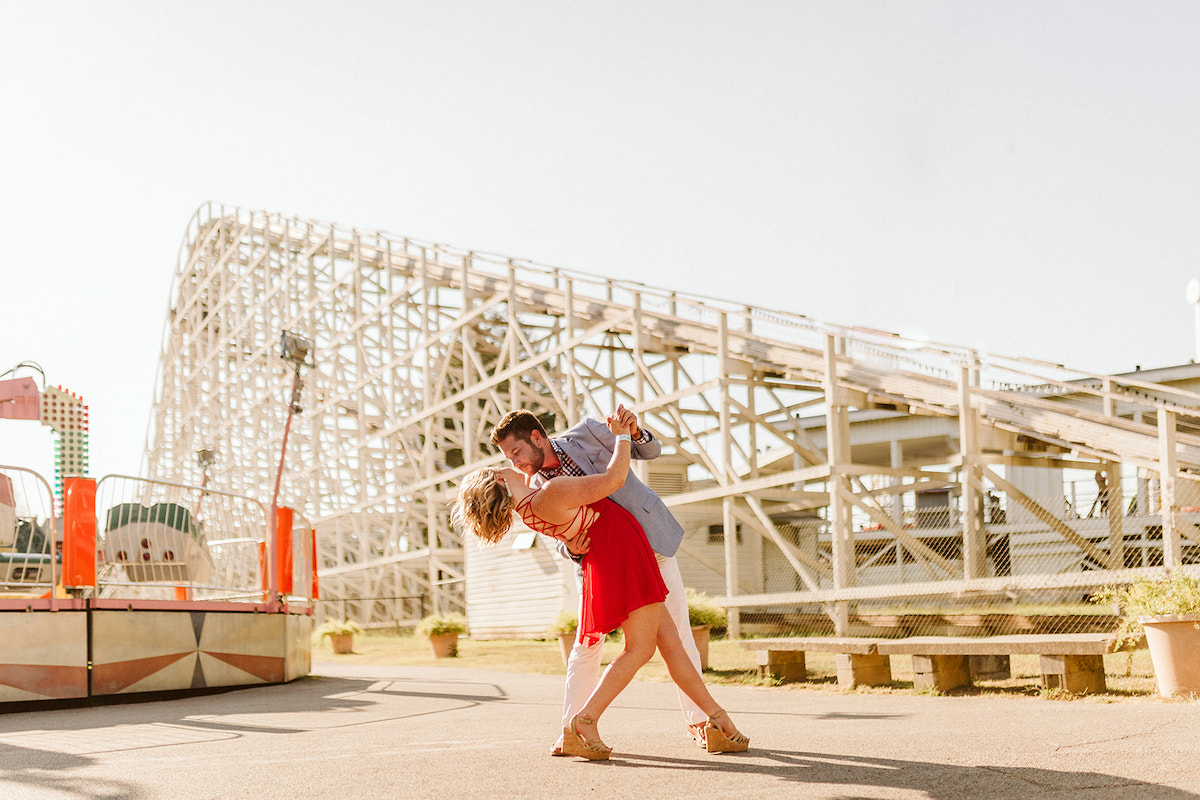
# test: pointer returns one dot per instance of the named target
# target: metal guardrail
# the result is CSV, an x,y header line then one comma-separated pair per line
x,y
407,610
29,561
155,541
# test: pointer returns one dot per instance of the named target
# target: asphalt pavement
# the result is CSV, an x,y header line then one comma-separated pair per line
x,y
429,732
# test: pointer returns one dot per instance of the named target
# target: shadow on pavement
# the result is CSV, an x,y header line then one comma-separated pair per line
x,y
934,780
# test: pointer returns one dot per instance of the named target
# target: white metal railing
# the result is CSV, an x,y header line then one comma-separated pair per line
x,y
29,564
158,540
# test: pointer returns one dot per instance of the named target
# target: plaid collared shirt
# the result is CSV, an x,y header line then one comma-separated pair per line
x,y
566,466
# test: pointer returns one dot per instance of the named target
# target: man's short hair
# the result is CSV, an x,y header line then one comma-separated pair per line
x,y
519,423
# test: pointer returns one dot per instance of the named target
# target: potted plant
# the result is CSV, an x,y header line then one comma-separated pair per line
x,y
340,634
443,630
564,627
704,615
1167,611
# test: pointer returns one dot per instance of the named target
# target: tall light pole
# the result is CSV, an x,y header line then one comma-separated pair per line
x,y
298,351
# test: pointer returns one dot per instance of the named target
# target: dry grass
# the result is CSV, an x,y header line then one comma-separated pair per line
x,y
1130,676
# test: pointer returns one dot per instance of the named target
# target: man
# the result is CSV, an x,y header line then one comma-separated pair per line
x,y
585,449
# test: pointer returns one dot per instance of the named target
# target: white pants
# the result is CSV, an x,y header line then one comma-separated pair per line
x,y
584,664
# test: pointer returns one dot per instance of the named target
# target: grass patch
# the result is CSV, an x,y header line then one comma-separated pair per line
x,y
1129,675
728,663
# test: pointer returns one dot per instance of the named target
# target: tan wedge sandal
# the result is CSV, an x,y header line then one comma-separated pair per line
x,y
574,743
716,740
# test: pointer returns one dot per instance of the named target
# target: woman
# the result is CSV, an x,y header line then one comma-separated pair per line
x,y
622,586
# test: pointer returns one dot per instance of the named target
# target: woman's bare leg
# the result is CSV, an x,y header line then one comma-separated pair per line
x,y
640,630
683,672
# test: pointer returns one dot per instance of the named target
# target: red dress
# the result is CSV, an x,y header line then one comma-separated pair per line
x,y
620,572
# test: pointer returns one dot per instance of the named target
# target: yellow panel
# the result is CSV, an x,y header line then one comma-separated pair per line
x,y
43,637
43,655
127,635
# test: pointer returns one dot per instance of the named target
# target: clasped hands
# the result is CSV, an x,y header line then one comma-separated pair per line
x,y
624,421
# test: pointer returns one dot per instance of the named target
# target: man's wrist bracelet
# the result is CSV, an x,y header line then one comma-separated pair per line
x,y
624,437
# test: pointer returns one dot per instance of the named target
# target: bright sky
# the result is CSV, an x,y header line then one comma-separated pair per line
x,y
1020,177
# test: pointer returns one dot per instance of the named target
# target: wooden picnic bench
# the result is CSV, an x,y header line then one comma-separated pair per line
x,y
1073,662
1070,661
858,662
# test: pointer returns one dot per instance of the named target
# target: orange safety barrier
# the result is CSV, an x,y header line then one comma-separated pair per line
x,y
315,594
79,533
283,562
262,570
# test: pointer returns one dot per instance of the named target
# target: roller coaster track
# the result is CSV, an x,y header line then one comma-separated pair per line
x,y
1036,399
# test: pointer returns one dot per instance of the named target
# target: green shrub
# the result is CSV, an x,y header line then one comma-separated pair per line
x,y
565,622
437,624
703,610
1176,593
333,627
568,622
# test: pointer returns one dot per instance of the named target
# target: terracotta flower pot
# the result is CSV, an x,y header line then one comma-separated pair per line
x,y
702,633
445,645
342,642
1174,643
566,641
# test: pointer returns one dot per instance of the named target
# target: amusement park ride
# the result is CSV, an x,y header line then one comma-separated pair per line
x,y
119,586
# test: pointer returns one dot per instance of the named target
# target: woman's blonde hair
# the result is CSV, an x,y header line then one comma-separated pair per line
x,y
484,506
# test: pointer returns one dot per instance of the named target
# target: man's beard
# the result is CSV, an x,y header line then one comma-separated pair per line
x,y
536,460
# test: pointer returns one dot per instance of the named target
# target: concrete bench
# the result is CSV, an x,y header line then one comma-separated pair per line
x,y
858,662
1073,662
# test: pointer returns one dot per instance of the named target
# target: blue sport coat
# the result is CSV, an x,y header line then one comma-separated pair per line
x,y
590,445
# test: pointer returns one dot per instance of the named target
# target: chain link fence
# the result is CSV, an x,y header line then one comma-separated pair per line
x,y
1047,553
406,611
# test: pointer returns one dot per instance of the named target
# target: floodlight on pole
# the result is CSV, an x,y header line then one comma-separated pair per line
x,y
297,349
